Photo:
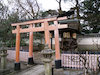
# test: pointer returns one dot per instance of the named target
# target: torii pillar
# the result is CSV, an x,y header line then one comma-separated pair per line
x,y
47,41
57,48
47,34
30,58
17,63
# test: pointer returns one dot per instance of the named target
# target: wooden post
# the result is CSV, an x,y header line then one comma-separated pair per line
x,y
30,59
57,48
31,44
51,39
47,36
17,63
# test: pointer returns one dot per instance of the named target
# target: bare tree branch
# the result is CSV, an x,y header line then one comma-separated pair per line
x,y
30,5
57,1
60,9
37,5
24,8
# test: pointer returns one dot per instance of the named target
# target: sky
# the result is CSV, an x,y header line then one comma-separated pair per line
x,y
51,4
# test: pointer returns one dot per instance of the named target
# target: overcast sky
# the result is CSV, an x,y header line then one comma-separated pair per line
x,y
51,4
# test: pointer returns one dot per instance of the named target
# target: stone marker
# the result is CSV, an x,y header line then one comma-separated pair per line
x,y
3,65
47,59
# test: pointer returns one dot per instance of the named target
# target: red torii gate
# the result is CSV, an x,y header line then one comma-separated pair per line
x,y
44,27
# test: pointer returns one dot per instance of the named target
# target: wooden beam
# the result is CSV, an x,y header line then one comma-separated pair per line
x,y
39,29
61,18
51,27
38,21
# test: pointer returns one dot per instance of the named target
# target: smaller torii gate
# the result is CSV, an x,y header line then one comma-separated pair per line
x,y
44,27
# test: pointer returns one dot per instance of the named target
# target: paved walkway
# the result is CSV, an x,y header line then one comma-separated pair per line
x,y
36,70
39,70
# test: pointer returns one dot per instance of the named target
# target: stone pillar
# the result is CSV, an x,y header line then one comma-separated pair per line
x,y
47,59
3,55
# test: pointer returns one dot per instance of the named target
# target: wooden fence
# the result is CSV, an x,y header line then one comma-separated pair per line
x,y
77,62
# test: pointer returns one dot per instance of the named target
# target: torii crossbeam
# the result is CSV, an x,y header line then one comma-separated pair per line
x,y
44,27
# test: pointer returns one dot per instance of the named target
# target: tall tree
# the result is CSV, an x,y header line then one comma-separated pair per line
x,y
48,13
91,14
60,9
3,10
77,6
28,9
6,35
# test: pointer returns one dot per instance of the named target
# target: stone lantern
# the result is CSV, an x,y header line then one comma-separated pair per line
x,y
47,59
3,55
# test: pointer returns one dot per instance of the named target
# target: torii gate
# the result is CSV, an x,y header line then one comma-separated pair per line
x,y
44,27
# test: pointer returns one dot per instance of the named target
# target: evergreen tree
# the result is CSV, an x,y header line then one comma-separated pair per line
x,y
91,14
6,35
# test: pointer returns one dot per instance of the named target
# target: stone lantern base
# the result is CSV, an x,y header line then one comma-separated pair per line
x,y
57,64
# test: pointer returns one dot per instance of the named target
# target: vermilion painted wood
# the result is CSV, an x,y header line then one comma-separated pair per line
x,y
17,44
57,48
38,21
31,43
47,34
39,29
44,27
